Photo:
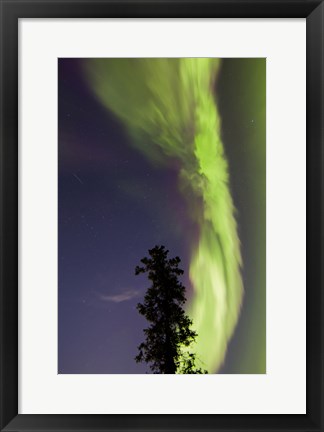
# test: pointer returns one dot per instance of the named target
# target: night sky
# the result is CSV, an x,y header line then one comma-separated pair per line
x,y
114,205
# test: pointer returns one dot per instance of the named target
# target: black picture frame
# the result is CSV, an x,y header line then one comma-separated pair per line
x,y
11,12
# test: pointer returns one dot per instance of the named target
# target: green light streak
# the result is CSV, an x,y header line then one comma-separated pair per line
x,y
169,102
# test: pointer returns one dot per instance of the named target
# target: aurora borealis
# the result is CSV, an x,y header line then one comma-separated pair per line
x,y
159,173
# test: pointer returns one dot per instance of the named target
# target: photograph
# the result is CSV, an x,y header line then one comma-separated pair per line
x,y
161,220
161,216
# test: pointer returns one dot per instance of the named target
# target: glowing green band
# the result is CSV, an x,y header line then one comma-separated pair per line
x,y
170,103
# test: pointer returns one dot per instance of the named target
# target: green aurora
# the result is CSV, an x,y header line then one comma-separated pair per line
x,y
169,109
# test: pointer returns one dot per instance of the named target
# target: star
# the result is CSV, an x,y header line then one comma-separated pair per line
x,y
78,178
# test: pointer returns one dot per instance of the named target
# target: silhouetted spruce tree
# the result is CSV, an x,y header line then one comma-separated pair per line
x,y
169,336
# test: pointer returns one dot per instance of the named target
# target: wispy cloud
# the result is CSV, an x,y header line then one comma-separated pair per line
x,y
118,298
